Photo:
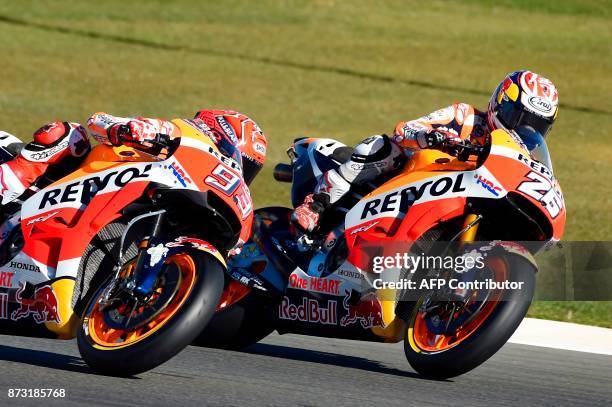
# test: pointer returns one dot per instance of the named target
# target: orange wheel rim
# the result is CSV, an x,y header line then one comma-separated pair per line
x,y
426,341
107,337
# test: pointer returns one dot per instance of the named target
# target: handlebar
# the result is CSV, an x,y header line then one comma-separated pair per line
x,y
462,149
161,140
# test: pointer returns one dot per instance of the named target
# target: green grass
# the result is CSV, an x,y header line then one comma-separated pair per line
x,y
581,312
341,69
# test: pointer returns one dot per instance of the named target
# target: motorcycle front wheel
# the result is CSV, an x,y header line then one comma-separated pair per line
x,y
481,328
124,340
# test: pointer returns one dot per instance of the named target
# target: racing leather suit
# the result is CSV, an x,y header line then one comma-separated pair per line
x,y
381,154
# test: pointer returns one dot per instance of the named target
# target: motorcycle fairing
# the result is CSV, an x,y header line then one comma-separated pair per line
x,y
392,201
59,221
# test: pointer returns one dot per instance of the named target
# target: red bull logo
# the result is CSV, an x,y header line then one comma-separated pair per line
x,y
368,312
309,311
43,305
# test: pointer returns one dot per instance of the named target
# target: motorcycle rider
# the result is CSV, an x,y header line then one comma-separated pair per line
x,y
523,98
56,143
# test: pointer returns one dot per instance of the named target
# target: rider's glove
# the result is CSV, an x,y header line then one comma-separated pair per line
x,y
135,133
435,139
431,139
306,216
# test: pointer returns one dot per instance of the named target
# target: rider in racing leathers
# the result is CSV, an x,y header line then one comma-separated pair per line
x,y
59,142
523,98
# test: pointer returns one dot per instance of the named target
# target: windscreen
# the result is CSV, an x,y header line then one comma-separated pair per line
x,y
536,144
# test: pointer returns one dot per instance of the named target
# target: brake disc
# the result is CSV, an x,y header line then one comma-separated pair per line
x,y
138,313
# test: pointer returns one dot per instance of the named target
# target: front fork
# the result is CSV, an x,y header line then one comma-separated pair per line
x,y
470,227
149,262
466,235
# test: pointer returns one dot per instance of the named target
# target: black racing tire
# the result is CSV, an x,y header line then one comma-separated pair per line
x,y
177,332
240,325
488,338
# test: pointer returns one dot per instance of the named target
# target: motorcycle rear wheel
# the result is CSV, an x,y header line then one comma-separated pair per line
x,y
441,357
165,332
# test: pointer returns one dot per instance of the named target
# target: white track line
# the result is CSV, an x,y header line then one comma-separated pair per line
x,y
563,335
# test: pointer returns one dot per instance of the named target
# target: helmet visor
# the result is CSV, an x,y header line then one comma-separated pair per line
x,y
513,115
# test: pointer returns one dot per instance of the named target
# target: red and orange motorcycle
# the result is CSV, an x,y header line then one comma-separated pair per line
x,y
127,252
496,204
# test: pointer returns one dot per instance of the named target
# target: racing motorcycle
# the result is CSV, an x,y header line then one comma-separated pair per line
x,y
499,201
126,253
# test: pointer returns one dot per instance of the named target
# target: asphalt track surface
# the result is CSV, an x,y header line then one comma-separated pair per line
x,y
294,370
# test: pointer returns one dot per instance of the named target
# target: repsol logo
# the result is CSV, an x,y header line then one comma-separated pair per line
x,y
84,191
535,165
402,199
